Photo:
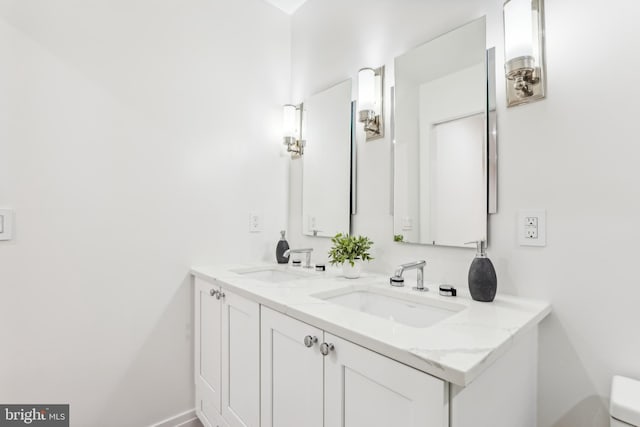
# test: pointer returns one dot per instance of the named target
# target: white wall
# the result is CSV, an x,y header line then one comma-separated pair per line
x,y
135,138
575,154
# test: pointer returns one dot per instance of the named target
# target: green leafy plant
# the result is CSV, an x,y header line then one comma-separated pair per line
x,y
349,249
398,238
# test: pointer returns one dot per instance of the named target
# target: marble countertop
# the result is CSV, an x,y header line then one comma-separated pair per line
x,y
456,349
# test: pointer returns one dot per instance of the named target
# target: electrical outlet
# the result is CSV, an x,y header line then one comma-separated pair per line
x,y
532,227
255,223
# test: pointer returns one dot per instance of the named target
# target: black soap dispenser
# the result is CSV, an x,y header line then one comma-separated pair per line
x,y
483,282
281,248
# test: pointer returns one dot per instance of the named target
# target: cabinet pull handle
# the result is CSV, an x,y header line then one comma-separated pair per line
x,y
309,341
213,292
325,348
220,295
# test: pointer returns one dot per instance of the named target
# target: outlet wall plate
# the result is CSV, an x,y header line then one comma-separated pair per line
x,y
6,224
532,227
255,222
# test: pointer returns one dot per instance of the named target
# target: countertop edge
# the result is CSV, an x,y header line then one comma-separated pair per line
x,y
446,373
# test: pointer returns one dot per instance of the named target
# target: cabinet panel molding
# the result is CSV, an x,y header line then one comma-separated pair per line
x,y
240,361
292,372
366,389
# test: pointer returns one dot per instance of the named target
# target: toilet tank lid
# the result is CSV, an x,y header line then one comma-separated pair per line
x,y
625,400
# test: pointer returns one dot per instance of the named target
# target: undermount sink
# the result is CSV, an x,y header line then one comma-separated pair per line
x,y
271,275
403,309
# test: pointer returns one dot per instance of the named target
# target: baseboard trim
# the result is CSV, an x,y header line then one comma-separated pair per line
x,y
178,420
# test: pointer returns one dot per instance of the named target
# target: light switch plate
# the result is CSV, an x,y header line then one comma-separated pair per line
x,y
6,224
532,227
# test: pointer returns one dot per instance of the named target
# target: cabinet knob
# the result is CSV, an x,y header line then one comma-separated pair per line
x,y
325,348
220,295
213,292
309,341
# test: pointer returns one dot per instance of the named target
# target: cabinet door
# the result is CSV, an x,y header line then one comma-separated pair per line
x,y
240,361
292,372
208,310
365,389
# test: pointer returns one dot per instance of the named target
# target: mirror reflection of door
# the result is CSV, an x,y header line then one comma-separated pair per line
x,y
453,193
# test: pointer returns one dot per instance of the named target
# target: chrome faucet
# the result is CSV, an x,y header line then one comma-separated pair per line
x,y
398,280
306,251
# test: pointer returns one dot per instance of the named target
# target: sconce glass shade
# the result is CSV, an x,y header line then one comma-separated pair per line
x,y
518,29
524,51
289,122
367,90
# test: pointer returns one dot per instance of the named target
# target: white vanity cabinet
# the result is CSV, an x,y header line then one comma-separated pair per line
x,y
349,386
258,367
227,357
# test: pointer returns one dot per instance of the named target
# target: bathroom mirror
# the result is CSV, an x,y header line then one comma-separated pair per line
x,y
326,170
441,152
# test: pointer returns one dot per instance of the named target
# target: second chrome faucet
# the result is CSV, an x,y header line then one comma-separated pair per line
x,y
306,251
398,280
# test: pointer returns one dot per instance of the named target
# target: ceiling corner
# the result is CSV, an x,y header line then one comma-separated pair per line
x,y
287,6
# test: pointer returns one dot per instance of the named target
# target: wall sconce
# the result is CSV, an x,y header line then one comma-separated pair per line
x,y
524,50
370,101
292,129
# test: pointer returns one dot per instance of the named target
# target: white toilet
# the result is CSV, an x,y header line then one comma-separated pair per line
x,y
625,402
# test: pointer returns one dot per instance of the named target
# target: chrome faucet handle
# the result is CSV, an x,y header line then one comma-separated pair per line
x,y
398,281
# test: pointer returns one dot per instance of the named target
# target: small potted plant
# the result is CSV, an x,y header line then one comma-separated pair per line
x,y
350,251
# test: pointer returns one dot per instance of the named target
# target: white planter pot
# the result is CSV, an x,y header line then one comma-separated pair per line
x,y
351,272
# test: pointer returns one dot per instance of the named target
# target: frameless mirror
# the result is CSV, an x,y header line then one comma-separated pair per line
x,y
326,171
441,140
